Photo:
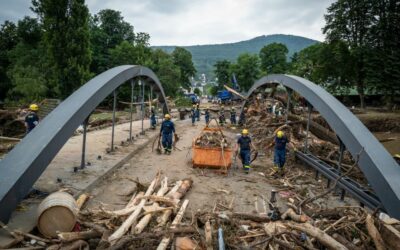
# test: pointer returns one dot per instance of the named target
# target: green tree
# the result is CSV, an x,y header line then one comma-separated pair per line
x,y
350,21
26,68
8,40
213,91
325,64
222,72
183,59
383,66
247,70
169,74
273,58
66,38
197,91
108,29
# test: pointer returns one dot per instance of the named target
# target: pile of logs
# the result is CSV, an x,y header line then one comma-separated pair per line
x,y
211,139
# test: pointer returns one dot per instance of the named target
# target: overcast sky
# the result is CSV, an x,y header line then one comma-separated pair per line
x,y
190,22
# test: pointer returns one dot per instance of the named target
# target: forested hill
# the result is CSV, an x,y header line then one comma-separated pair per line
x,y
205,56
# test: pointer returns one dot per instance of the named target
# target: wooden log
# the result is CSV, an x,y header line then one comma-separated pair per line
x,y
81,200
129,208
373,232
290,213
9,138
321,236
85,235
345,242
185,243
76,245
31,236
133,217
391,236
208,235
161,199
146,219
178,218
252,217
318,130
128,239
175,194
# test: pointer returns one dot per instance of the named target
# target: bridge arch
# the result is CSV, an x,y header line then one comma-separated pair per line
x,y
378,166
26,162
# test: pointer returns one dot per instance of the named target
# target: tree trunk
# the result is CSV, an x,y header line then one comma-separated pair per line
x,y
178,218
175,194
146,219
321,236
374,233
133,217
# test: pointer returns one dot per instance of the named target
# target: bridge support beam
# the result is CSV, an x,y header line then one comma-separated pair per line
x,y
113,119
378,166
23,165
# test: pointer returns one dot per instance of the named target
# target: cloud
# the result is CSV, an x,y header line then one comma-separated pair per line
x,y
183,22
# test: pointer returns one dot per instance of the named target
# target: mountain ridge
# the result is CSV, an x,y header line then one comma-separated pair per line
x,y
206,55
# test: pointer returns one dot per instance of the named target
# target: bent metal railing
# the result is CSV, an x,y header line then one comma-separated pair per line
x,y
26,162
378,166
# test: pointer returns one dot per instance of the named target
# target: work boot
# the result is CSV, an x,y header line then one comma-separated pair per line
x,y
247,169
165,151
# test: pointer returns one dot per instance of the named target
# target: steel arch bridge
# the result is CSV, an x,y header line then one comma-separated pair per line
x,y
378,166
26,162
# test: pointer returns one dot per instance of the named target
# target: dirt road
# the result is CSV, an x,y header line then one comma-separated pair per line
x,y
209,186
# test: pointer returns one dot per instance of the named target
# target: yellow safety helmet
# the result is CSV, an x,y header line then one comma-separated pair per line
x,y
245,132
34,107
279,134
396,156
167,116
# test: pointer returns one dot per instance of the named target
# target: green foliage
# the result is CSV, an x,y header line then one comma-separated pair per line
x,y
206,56
197,91
247,70
26,68
350,21
213,91
169,74
107,30
182,101
29,84
273,58
67,42
222,72
8,39
183,59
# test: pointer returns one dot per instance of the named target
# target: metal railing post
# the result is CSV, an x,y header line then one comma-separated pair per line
x,y
83,160
310,107
131,111
113,120
142,104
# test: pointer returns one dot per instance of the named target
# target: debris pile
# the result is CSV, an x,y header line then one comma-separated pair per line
x,y
322,142
211,139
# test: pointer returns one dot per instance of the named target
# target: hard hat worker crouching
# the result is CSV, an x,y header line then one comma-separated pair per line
x,y
245,145
167,130
32,119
